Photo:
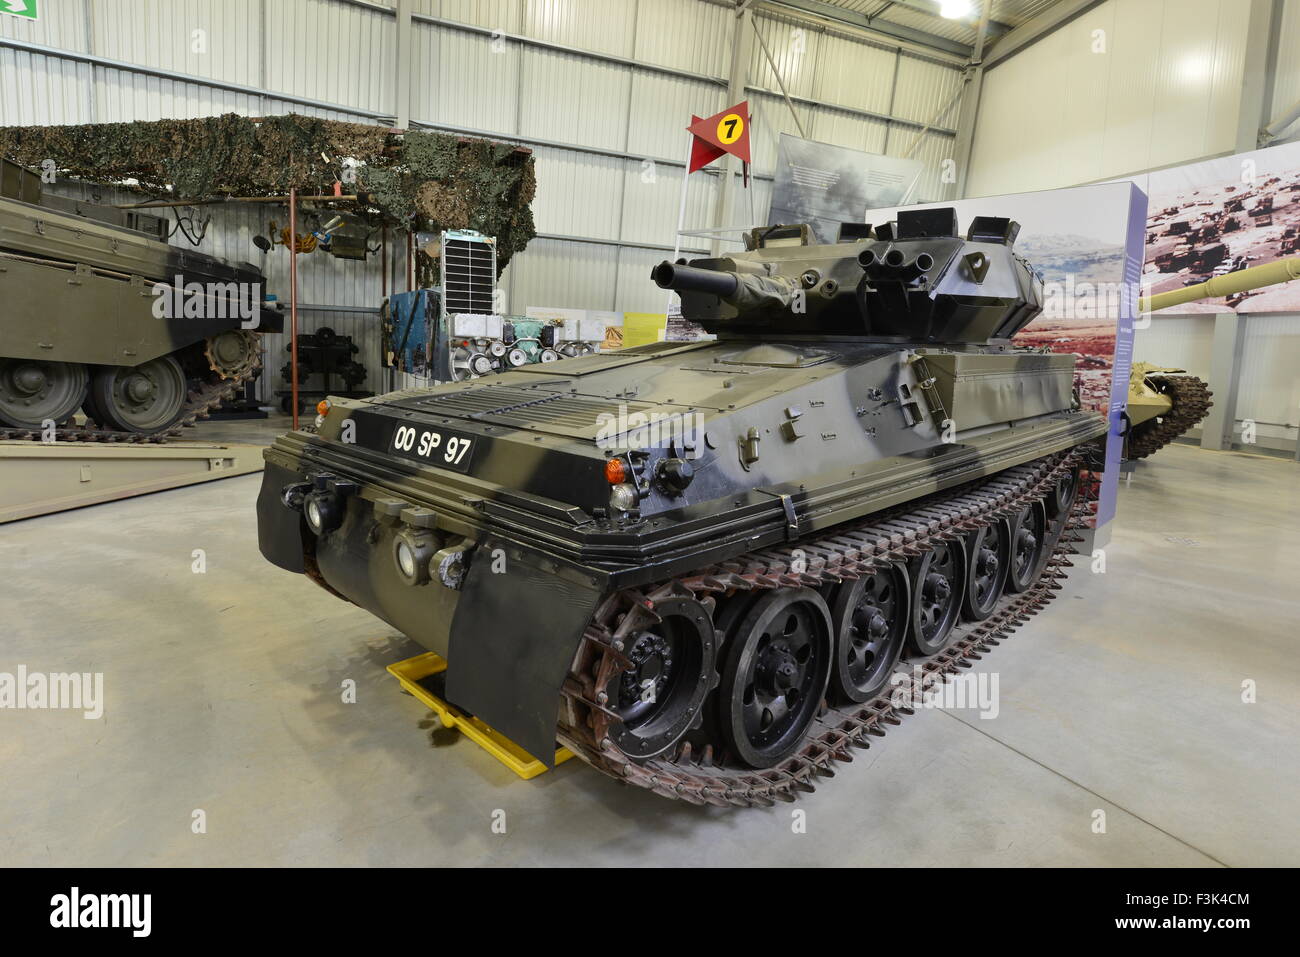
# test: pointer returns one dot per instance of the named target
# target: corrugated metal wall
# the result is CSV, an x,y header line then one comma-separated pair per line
x,y
600,89
1183,342
1286,82
1163,88
1270,386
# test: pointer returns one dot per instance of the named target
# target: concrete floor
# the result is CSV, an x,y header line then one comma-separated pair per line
x,y
224,694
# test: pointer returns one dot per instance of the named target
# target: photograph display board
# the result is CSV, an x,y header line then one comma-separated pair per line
x,y
1215,217
1087,244
824,185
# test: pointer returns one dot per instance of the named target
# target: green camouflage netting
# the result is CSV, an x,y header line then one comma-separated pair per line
x,y
422,180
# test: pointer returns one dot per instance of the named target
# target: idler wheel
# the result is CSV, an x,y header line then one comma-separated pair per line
x,y
1028,538
988,556
777,666
32,391
672,670
938,584
870,618
147,398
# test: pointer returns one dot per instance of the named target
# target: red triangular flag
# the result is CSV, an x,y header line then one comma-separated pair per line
x,y
726,131
702,151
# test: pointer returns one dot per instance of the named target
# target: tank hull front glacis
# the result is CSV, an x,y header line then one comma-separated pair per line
x,y
501,490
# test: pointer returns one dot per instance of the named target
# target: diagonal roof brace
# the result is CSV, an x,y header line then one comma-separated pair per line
x,y
886,28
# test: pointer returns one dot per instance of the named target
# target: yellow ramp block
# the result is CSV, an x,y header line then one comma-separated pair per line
x,y
414,670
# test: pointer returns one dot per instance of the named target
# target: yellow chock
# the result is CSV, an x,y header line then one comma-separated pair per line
x,y
414,670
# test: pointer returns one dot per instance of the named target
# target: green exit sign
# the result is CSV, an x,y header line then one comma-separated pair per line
x,y
19,8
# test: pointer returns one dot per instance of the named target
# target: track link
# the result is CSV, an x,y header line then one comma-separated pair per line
x,y
840,554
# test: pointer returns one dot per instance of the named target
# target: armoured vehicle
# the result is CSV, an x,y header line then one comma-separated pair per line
x,y
1163,403
698,565
96,318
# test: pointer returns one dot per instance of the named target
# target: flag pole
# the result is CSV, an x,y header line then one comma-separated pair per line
x,y
681,201
681,216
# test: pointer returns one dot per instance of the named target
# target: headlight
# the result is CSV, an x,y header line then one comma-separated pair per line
x,y
412,550
405,559
323,500
313,515
323,511
623,497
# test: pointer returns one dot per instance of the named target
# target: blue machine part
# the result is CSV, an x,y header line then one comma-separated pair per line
x,y
414,316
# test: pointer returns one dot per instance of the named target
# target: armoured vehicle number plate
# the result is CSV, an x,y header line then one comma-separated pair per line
x,y
438,447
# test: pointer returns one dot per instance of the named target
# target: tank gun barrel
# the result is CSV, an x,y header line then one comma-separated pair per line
x,y
1242,280
681,278
743,290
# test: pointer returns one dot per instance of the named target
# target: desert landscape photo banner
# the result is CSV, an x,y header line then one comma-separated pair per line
x,y
1086,243
1218,216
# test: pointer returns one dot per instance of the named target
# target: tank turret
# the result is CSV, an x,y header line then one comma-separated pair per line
x,y
915,279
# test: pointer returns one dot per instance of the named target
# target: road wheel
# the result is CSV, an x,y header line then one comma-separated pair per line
x,y
777,665
33,391
938,583
146,399
870,618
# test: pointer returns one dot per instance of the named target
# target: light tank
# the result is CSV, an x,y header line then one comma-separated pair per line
x,y
82,328
700,566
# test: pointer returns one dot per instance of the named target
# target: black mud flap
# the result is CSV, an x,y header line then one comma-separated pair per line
x,y
279,528
513,637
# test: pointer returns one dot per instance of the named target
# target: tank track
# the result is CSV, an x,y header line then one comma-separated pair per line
x,y
199,404
1192,400
842,553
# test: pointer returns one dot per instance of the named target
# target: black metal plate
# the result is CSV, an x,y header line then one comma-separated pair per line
x,y
507,669
432,445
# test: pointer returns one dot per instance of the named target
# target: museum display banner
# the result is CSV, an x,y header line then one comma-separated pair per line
x,y
824,185
1221,215
1087,245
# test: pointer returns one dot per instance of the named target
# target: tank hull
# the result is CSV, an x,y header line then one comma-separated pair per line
x,y
77,290
102,314
845,430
